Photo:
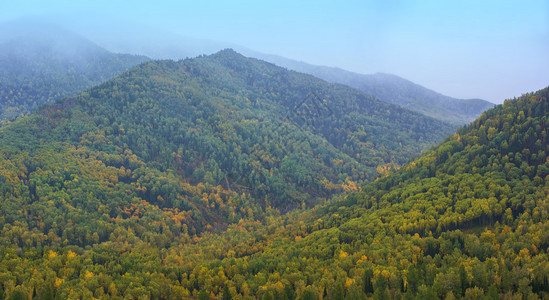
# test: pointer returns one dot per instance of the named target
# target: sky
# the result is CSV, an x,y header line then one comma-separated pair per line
x,y
492,50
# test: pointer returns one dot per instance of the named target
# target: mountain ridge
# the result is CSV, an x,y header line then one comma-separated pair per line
x,y
40,63
396,90
233,122
392,89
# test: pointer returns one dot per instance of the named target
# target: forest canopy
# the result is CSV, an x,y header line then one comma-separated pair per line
x,y
197,178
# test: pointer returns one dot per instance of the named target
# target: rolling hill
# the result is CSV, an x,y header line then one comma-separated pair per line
x,y
41,63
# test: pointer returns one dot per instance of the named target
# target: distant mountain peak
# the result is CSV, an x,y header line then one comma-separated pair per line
x,y
228,52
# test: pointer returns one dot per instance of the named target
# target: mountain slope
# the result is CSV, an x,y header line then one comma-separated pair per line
x,y
169,151
468,219
392,89
40,63
247,125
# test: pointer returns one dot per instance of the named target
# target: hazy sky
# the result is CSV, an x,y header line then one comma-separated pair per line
x,y
466,49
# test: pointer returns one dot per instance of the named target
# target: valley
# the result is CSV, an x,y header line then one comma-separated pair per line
x,y
254,176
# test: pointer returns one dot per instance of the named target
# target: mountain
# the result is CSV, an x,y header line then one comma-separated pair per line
x,y
50,62
164,155
469,218
392,89
40,63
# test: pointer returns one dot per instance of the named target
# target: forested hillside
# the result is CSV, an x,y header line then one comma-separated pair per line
x,y
98,190
42,63
468,219
392,89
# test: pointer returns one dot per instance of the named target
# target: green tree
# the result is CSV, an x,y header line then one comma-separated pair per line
x,y
308,294
203,295
338,291
367,285
19,294
226,294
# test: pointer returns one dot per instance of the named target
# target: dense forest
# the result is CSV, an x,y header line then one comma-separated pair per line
x,y
467,219
246,125
196,179
43,63
392,89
